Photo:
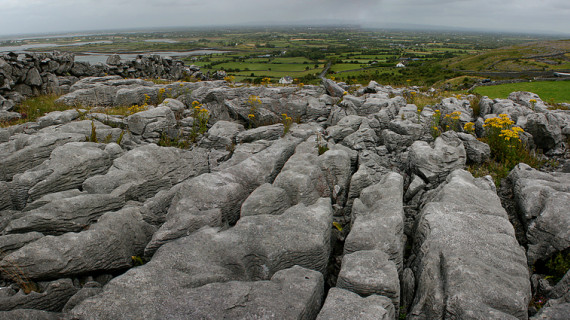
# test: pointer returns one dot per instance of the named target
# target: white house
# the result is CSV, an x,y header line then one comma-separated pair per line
x,y
400,65
286,80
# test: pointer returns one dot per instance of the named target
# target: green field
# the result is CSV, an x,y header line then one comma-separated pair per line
x,y
559,91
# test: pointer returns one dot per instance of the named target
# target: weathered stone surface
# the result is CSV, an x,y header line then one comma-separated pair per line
x,y
266,199
26,152
12,242
272,132
558,312
52,298
333,89
476,151
294,293
29,314
462,242
5,198
89,290
67,167
378,219
368,272
215,199
434,164
66,215
152,123
545,130
256,248
142,172
345,305
222,135
107,245
543,200
57,117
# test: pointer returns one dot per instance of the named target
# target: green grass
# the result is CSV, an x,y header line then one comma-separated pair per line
x,y
559,91
33,108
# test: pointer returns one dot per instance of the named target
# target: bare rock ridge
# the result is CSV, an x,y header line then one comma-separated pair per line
x,y
352,211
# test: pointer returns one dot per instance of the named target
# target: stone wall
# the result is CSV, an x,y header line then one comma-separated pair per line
x,y
30,74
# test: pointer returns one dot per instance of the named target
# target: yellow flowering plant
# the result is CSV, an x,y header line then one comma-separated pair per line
x,y
287,122
503,138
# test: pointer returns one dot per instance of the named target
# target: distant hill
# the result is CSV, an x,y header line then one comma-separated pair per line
x,y
534,56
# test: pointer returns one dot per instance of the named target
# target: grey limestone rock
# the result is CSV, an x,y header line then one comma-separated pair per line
x,y
266,199
333,89
26,152
464,239
52,298
67,167
342,304
543,200
140,173
113,60
434,164
29,314
57,117
272,132
13,242
221,135
545,130
368,272
107,245
378,219
214,199
256,248
294,293
65,215
152,123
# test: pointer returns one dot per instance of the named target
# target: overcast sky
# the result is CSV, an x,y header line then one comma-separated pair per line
x,y
38,16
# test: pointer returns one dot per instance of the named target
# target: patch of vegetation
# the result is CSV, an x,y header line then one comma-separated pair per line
x,y
553,91
33,108
507,150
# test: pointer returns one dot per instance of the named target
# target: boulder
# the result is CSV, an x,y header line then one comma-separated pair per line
x,y
333,89
434,164
152,123
545,130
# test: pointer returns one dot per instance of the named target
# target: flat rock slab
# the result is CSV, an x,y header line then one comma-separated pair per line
x,y
257,248
294,293
140,173
370,272
345,305
108,245
468,263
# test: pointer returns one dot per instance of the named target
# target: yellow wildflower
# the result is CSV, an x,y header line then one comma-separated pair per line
x,y
251,116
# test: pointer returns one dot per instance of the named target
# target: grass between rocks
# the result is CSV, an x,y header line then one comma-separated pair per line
x,y
550,91
33,108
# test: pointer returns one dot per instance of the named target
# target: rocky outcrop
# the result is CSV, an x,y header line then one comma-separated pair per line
x,y
542,201
102,217
464,240
294,293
